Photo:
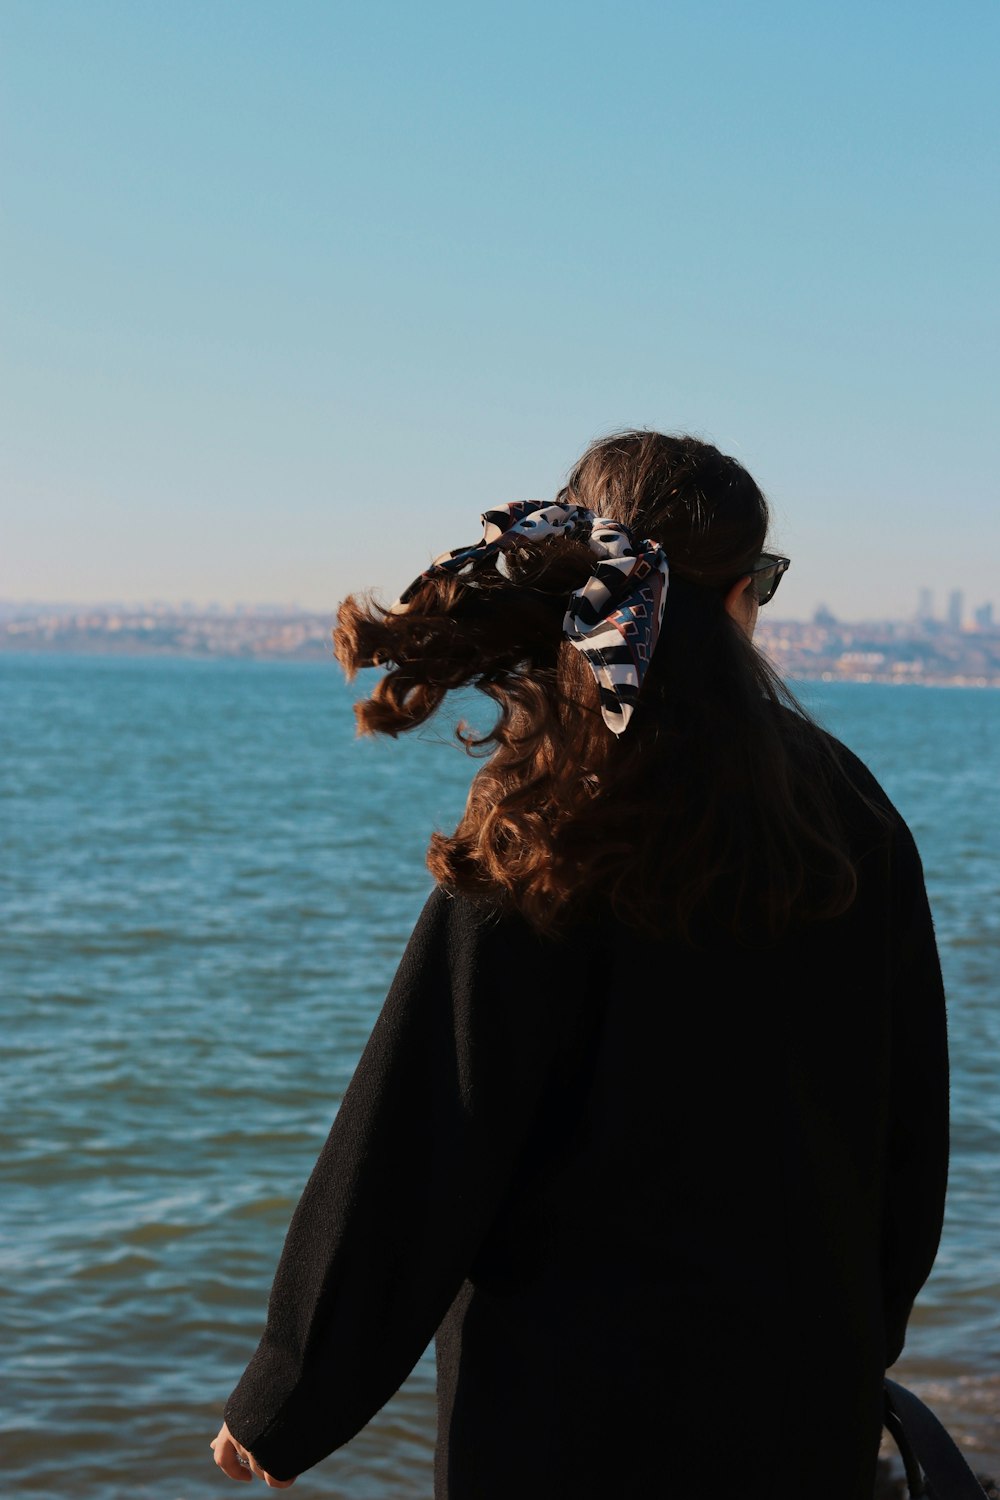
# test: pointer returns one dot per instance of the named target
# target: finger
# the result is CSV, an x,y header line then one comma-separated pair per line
x,y
253,1466
227,1458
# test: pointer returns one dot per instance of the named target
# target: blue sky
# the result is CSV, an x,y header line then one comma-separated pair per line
x,y
292,291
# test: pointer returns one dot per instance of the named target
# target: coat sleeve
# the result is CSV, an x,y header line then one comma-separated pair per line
x,y
408,1182
917,1145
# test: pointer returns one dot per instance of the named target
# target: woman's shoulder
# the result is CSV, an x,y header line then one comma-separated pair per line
x,y
479,973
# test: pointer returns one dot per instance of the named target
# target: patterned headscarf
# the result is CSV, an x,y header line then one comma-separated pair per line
x,y
614,619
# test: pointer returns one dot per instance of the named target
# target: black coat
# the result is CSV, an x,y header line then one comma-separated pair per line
x,y
666,1210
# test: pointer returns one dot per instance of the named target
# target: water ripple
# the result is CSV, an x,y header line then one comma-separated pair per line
x,y
209,884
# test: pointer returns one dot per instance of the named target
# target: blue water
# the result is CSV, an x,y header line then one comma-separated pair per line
x,y
207,882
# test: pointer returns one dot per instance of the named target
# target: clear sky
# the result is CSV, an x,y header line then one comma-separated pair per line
x,y
291,291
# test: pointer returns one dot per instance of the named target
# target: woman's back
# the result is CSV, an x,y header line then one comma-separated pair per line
x,y
659,1199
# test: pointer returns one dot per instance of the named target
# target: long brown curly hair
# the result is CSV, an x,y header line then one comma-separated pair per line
x,y
717,806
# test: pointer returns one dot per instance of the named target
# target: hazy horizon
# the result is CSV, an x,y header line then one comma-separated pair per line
x,y
773,613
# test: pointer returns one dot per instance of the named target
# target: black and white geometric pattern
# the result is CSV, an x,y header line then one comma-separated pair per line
x,y
614,619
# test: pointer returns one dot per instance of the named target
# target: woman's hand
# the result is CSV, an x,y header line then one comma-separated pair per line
x,y
239,1463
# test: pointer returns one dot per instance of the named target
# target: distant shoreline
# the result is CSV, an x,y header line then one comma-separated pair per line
x,y
928,652
159,653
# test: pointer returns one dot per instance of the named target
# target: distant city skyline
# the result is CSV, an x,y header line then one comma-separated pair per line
x,y
955,615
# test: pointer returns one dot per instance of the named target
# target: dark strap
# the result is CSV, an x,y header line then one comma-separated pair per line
x,y
925,1444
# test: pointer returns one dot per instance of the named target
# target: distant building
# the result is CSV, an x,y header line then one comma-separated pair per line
x,y
925,605
956,609
983,617
824,615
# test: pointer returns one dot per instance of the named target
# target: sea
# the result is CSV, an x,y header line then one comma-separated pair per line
x,y
207,881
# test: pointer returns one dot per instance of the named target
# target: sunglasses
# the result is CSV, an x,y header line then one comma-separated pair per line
x,y
767,573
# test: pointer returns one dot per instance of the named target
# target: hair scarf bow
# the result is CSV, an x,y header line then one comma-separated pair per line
x,y
614,619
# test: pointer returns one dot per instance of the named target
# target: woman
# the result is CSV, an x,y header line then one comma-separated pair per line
x,y
652,1130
